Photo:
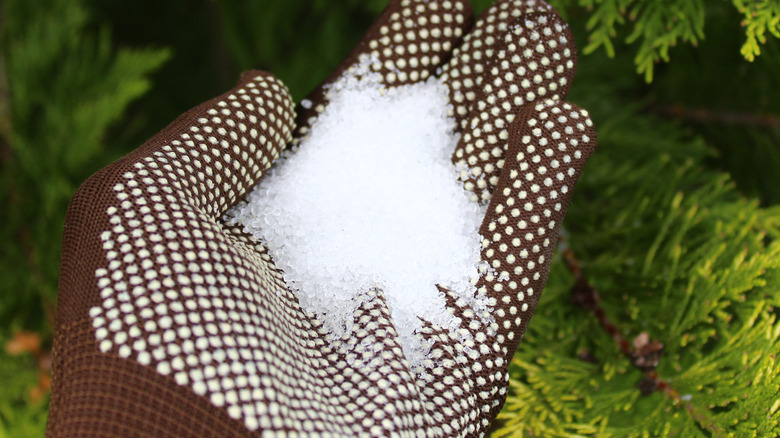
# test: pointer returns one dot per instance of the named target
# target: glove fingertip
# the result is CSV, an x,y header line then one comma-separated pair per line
x,y
536,60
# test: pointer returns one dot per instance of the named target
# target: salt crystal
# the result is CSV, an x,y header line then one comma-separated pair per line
x,y
371,200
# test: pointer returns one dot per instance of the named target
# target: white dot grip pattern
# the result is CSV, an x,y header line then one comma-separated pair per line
x,y
549,145
464,73
534,60
201,309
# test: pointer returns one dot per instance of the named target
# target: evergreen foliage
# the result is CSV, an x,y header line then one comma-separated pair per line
x,y
657,26
20,414
61,87
760,18
675,222
675,251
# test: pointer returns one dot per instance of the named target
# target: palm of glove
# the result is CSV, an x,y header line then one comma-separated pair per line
x,y
172,323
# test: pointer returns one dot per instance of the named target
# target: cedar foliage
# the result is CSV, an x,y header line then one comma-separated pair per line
x,y
657,26
675,221
61,86
674,251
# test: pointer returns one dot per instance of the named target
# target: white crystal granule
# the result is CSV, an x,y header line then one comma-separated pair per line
x,y
369,200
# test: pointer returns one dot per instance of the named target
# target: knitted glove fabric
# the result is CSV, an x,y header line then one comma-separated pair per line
x,y
172,323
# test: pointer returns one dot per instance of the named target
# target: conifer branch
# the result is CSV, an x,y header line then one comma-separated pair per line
x,y
22,234
656,27
643,353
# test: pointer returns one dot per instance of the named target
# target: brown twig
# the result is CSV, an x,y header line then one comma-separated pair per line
x,y
642,352
709,116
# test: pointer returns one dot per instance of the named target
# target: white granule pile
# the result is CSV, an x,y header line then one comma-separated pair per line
x,y
372,200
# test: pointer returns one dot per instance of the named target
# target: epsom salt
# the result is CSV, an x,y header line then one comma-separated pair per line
x,y
371,200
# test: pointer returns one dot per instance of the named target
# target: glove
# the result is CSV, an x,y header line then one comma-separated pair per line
x,y
172,322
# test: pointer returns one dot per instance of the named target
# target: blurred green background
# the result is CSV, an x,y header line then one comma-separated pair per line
x,y
83,82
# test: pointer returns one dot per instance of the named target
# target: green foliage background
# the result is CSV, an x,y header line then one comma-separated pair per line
x,y
676,220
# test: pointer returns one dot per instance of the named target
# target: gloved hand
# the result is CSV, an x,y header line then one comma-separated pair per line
x,y
173,323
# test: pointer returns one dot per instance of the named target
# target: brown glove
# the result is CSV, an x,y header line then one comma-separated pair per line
x,y
172,323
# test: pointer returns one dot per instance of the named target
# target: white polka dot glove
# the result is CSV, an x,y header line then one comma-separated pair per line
x,y
172,323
